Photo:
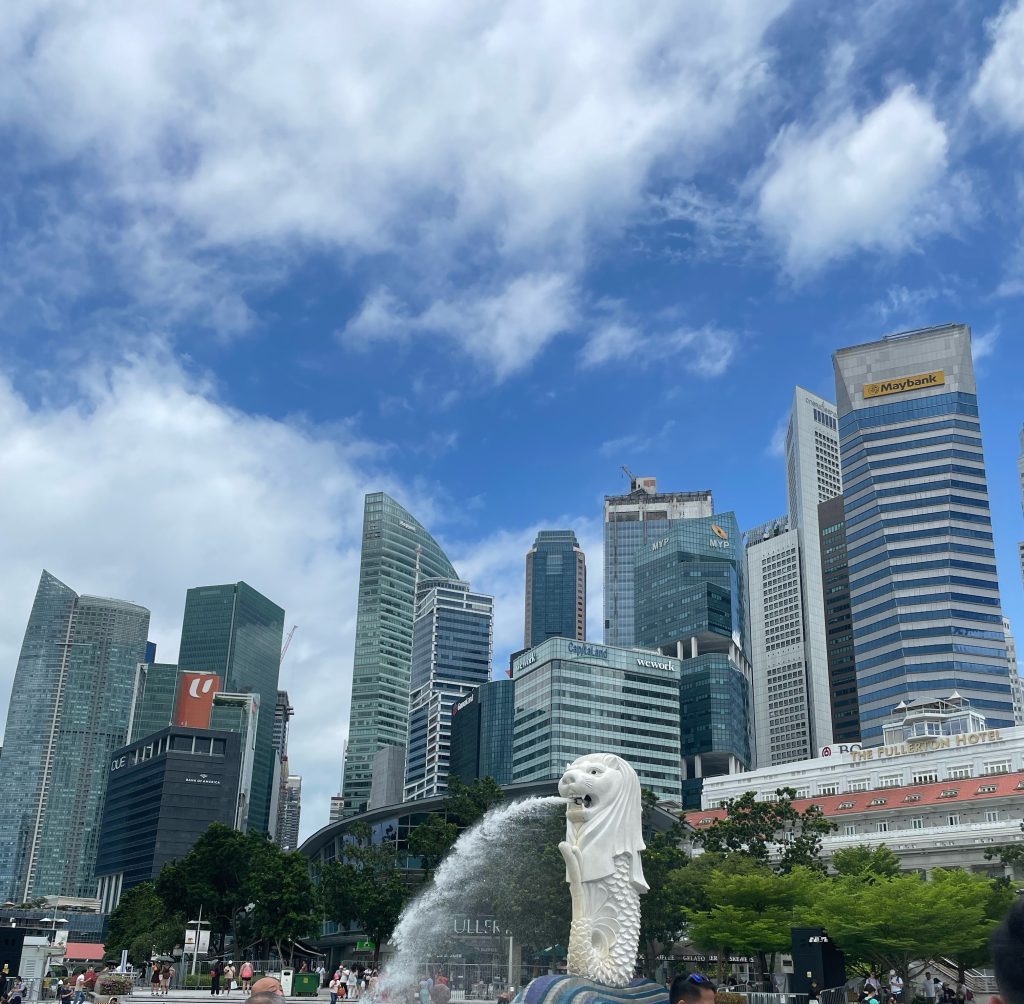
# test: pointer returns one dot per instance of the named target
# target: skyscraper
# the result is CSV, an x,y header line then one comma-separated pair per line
x,y
777,644
835,588
289,812
556,588
452,644
396,552
923,588
236,632
690,604
482,729
68,713
1016,683
283,713
630,522
813,476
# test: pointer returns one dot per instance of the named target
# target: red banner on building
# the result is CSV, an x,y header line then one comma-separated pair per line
x,y
195,699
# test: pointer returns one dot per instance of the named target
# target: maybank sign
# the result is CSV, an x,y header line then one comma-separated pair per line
x,y
900,385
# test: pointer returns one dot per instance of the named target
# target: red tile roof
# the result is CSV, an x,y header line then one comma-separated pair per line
x,y
83,951
915,796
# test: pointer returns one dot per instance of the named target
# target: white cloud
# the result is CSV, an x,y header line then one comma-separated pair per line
x,y
999,89
504,330
486,144
877,181
982,346
777,444
706,351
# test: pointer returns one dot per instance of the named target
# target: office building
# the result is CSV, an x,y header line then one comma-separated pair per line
x,y
813,476
923,588
556,588
482,730
690,604
942,790
337,808
388,783
162,793
155,694
1016,683
68,713
630,523
452,644
396,552
236,632
777,646
835,590
283,713
288,813
575,697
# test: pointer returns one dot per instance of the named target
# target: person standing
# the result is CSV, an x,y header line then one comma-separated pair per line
x,y
352,984
229,977
215,978
322,973
16,990
245,973
333,987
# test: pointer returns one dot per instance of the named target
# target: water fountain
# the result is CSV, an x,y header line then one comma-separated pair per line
x,y
602,846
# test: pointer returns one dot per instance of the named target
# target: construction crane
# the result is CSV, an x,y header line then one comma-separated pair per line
x,y
629,474
288,641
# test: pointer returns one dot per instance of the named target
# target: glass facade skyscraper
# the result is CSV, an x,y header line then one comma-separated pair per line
x,y
452,642
556,588
396,552
690,604
68,713
236,632
156,690
630,522
482,726
575,697
924,594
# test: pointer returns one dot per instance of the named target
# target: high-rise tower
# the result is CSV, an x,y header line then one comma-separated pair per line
x,y
630,522
236,632
923,587
68,713
556,588
452,643
813,476
396,552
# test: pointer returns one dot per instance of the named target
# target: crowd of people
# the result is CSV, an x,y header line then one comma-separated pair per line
x,y
351,983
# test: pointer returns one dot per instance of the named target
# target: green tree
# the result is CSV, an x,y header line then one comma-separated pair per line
x,y
284,898
753,828
142,925
466,804
369,887
532,899
753,910
867,863
432,840
662,913
996,896
894,923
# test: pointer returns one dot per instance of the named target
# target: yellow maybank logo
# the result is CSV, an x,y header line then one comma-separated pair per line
x,y
719,532
919,381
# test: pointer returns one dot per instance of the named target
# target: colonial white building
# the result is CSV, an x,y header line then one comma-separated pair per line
x,y
941,790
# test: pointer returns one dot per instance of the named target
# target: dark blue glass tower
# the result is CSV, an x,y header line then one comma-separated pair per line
x,y
556,588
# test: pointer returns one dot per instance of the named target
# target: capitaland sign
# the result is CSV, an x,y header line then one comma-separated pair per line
x,y
929,744
653,664
900,385
587,651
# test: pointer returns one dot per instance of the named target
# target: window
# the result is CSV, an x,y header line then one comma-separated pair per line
x,y
828,789
859,785
890,781
925,777
877,801
949,793
991,815
846,805
953,819
917,823
956,773
998,767
850,830
987,789
912,798
803,792
882,827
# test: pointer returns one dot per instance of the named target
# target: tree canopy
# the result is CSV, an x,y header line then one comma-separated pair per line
x,y
142,924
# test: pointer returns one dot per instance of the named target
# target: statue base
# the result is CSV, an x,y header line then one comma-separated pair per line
x,y
577,990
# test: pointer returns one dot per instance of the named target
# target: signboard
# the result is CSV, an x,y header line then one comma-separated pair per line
x,y
839,749
366,946
190,941
928,744
900,385
195,699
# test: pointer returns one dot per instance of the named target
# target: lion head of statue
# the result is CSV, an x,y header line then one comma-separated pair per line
x,y
603,815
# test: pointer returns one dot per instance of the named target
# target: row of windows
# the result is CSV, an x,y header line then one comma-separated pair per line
x,y
908,465
946,530
912,430
923,566
908,410
880,447
947,547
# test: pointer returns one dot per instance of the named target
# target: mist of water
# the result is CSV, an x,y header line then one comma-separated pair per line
x,y
461,882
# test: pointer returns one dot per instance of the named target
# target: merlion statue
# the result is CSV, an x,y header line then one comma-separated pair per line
x,y
602,864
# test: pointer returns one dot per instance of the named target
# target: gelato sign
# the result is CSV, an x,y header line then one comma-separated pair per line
x,y
901,385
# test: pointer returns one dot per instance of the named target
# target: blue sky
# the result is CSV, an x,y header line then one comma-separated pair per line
x,y
258,260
